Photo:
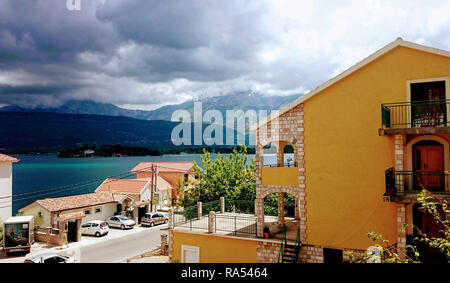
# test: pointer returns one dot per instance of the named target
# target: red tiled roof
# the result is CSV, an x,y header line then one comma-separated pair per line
x,y
183,167
71,216
7,158
72,202
123,186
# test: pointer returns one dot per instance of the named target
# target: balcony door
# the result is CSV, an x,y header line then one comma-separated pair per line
x,y
428,166
428,104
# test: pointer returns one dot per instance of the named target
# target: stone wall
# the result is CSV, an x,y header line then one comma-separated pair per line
x,y
267,252
285,129
45,235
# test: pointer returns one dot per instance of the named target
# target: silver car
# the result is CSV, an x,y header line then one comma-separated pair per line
x,y
152,219
49,258
120,221
95,228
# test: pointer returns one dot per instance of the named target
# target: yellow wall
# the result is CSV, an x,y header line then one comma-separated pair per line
x,y
345,159
279,176
216,249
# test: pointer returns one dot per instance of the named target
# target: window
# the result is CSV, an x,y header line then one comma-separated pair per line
x,y
87,211
98,210
190,254
86,225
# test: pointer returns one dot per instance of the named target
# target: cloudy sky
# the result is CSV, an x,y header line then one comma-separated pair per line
x,y
143,54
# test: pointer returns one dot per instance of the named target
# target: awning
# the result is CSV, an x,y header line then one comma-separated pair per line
x,y
71,216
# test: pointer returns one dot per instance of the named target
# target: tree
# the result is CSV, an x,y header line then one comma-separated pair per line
x,y
226,176
429,204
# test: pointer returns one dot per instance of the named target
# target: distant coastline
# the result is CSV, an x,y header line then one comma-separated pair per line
x,y
94,151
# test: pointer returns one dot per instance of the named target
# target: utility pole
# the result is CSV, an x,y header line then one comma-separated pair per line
x,y
156,183
151,189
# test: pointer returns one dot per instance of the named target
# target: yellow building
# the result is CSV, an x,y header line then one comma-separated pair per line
x,y
364,143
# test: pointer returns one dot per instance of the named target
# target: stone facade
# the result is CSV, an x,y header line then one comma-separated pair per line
x,y
401,234
267,252
399,158
164,245
283,130
45,235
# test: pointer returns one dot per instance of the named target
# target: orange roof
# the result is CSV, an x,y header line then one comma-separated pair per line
x,y
72,202
123,186
183,167
71,216
7,158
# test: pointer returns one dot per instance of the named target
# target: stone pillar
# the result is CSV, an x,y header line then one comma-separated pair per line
x,y
297,208
62,230
281,209
401,235
78,230
164,245
399,161
280,153
170,218
199,210
136,215
222,205
259,209
212,216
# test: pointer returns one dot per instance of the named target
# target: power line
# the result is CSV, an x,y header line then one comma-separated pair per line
x,y
82,184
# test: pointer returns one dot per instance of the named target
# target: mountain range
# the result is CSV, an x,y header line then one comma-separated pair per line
x,y
241,100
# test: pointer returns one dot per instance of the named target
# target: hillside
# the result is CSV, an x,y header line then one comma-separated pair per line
x,y
25,132
242,101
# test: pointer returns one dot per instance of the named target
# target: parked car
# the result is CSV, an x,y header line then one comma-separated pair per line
x,y
120,221
153,218
95,228
50,258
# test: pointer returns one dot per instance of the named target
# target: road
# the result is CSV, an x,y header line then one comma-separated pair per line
x,y
119,249
117,246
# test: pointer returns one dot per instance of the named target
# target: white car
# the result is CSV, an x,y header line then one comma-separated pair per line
x,y
50,258
120,221
95,228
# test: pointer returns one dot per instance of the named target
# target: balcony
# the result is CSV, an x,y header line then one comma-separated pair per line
x,y
280,175
404,185
417,117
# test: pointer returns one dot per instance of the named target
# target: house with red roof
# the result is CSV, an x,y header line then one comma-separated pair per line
x,y
6,163
168,176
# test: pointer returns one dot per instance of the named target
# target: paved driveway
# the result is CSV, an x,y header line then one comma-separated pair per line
x,y
117,246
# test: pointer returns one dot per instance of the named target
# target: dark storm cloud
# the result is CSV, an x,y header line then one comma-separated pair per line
x,y
145,53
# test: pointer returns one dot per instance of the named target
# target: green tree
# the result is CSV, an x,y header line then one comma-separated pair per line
x,y
226,176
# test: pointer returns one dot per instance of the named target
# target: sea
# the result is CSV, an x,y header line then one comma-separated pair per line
x,y
47,176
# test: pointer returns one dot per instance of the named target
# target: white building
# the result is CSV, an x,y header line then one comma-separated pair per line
x,y
6,186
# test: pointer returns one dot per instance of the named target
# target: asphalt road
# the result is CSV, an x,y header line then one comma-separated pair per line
x,y
117,246
119,249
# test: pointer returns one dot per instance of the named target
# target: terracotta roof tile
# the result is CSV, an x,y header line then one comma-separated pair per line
x,y
184,167
71,216
123,186
78,201
7,158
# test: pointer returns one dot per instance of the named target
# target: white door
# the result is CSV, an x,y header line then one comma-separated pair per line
x,y
190,254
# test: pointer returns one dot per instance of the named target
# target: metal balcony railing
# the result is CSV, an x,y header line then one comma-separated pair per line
x,y
398,182
416,114
287,164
